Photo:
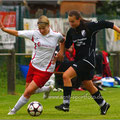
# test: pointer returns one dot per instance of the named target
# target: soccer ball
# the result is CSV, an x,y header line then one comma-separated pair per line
x,y
35,108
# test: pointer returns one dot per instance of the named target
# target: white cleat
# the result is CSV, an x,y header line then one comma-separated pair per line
x,y
11,113
46,94
55,90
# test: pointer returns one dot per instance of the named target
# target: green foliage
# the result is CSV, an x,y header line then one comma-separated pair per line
x,y
108,7
3,74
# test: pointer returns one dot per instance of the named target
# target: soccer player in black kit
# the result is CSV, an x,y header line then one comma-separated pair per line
x,y
82,33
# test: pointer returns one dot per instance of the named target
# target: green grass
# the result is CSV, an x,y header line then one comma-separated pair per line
x,y
82,106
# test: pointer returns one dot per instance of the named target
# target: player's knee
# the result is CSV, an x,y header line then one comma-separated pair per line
x,y
87,85
65,77
27,94
87,88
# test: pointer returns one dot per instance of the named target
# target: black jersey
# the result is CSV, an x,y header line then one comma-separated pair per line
x,y
84,40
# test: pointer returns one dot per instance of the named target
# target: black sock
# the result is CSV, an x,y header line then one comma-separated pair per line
x,y
98,98
67,94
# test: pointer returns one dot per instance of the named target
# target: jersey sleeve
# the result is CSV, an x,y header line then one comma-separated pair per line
x,y
26,34
68,41
61,38
98,25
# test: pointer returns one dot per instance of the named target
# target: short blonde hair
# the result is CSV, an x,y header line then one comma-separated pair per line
x,y
43,21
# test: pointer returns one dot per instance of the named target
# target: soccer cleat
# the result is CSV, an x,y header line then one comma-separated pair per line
x,y
63,107
60,90
105,108
55,90
11,112
46,94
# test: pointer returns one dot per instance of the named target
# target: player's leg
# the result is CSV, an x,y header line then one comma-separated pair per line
x,y
43,88
95,93
88,84
47,88
27,84
30,89
38,74
67,76
24,98
29,78
51,83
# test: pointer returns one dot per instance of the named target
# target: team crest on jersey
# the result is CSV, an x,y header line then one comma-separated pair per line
x,y
83,33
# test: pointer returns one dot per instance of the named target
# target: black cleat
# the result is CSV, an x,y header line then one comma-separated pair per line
x,y
105,108
63,107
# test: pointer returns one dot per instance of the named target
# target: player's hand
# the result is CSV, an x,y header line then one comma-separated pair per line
x,y
1,25
58,57
55,59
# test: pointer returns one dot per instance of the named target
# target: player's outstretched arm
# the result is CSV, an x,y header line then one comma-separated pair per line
x,y
60,54
116,28
62,49
12,32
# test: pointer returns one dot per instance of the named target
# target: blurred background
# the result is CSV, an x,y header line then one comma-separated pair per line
x,y
15,53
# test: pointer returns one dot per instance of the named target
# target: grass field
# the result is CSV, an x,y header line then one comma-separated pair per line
x,y
82,105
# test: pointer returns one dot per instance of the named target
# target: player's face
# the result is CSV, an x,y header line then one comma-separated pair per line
x,y
73,21
44,30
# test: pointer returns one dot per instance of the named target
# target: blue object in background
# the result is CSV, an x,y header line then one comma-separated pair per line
x,y
24,69
108,81
117,79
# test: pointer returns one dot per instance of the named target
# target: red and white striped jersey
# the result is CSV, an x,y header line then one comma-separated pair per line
x,y
44,48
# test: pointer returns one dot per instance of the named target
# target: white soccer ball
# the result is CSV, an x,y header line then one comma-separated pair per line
x,y
35,108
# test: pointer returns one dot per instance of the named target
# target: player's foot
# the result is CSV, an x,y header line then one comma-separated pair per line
x,y
60,90
63,107
46,94
11,112
105,108
55,90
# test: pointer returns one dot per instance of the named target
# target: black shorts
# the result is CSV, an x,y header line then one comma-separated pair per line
x,y
84,70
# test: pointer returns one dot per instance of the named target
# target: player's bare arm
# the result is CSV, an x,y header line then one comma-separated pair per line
x,y
12,32
60,54
116,28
